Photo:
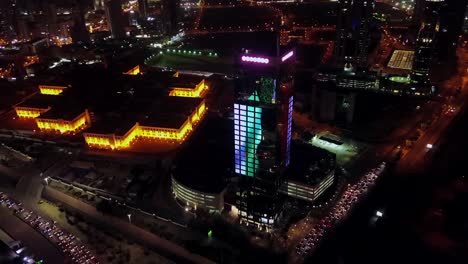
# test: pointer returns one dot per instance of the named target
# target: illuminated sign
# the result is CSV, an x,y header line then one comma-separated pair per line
x,y
287,56
260,60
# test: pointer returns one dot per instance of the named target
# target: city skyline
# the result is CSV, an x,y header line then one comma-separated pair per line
x,y
233,131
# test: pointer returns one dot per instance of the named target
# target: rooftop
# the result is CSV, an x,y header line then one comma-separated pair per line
x,y
185,81
166,121
401,59
39,101
62,111
111,125
166,111
174,105
208,159
309,164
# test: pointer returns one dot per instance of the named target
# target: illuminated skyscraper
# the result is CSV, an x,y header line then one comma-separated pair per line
x,y
352,44
425,42
262,136
115,18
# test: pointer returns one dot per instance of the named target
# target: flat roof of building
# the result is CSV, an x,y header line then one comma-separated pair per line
x,y
165,112
185,81
309,164
117,101
401,59
204,164
174,105
39,101
112,125
61,111
164,121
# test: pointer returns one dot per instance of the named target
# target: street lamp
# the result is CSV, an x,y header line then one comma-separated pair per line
x,y
378,213
429,146
129,218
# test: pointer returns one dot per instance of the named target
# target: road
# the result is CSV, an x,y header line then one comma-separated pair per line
x,y
32,239
402,193
418,157
414,161
404,198
133,232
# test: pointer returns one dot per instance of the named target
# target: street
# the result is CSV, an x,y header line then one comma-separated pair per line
x,y
32,239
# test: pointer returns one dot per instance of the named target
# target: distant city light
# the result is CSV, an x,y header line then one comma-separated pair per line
x,y
287,56
429,146
379,214
255,59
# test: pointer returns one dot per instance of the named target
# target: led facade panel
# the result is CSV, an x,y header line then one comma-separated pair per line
x,y
260,60
287,56
247,136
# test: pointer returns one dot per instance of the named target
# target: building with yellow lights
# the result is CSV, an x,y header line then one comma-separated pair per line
x,y
119,111
34,106
63,120
198,179
170,120
134,71
51,89
185,85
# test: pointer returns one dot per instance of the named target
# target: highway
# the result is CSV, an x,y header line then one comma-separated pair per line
x,y
32,239
415,160
419,156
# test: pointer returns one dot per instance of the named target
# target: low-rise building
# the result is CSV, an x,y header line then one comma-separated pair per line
x,y
198,180
310,174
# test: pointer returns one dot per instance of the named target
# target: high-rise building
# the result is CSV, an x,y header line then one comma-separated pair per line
x,y
7,18
50,9
465,23
143,8
115,18
262,136
425,42
418,13
98,4
452,17
352,44
22,26
79,31
169,10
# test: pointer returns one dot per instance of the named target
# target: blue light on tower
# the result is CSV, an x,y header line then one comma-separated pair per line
x,y
290,118
247,137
